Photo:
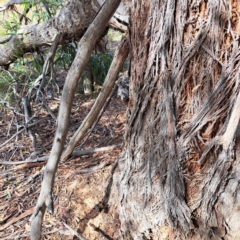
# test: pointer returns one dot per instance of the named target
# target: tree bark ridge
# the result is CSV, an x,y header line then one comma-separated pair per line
x,y
184,84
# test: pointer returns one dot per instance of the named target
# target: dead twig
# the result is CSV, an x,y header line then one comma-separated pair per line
x,y
20,131
75,233
16,219
49,60
75,154
92,169
28,114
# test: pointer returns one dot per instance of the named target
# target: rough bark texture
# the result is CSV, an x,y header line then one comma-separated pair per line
x,y
72,21
177,177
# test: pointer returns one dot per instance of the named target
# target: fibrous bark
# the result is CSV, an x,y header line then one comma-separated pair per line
x,y
184,82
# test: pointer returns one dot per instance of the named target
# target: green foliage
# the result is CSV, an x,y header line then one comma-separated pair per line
x,y
114,36
42,10
99,64
26,69
16,82
4,85
6,82
11,24
37,12
65,56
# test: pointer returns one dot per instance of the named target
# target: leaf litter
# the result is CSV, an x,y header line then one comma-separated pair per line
x,y
80,183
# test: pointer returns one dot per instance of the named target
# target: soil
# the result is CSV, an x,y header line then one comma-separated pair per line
x,y
80,199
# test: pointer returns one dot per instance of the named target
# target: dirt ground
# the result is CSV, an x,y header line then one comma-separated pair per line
x,y
81,183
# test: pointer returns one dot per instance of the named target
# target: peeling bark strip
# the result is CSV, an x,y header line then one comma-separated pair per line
x,y
85,48
228,136
184,91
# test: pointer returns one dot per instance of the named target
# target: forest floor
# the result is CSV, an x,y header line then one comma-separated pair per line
x,y
80,195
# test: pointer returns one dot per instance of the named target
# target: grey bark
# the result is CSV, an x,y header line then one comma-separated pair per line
x,y
116,65
178,176
85,48
184,96
72,21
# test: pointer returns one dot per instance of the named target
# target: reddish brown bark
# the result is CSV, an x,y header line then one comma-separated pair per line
x,y
174,178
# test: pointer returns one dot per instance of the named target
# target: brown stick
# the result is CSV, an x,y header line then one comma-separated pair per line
x,y
16,219
75,154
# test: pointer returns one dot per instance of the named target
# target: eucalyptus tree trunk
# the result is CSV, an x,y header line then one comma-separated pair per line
x,y
178,176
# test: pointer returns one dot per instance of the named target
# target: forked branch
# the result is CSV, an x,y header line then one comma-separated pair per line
x,y
117,63
85,48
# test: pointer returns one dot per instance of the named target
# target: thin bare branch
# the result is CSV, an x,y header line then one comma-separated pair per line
x,y
23,129
75,233
118,60
85,47
49,60
74,154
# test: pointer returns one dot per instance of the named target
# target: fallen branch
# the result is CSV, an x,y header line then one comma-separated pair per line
x,y
94,150
20,131
41,159
75,154
75,233
91,170
16,219
22,167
